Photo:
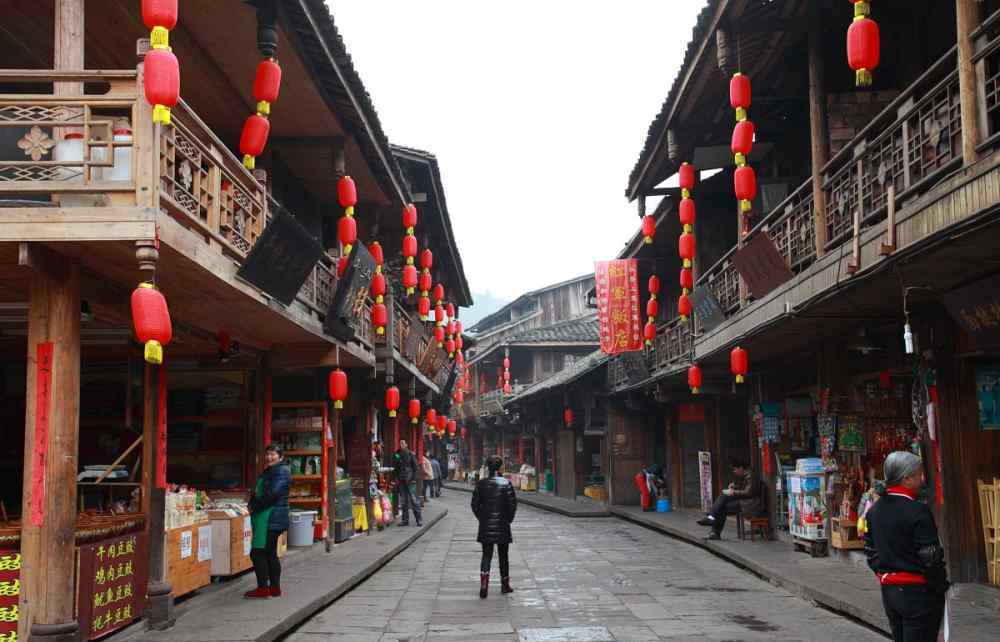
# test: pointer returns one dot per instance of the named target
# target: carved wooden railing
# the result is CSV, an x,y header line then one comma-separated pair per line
x,y
319,287
671,347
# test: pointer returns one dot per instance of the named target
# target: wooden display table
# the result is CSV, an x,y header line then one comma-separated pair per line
x,y
189,557
232,536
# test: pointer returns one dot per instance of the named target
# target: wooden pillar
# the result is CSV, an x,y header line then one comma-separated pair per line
x,y
69,23
967,14
818,129
51,434
161,598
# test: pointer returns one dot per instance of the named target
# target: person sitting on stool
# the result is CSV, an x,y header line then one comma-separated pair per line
x,y
744,493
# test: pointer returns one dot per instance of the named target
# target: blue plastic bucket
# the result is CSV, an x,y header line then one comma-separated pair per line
x,y
663,505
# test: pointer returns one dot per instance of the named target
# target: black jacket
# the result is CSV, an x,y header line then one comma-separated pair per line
x,y
902,537
494,504
277,479
406,466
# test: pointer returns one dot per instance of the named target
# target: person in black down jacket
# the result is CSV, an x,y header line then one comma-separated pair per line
x,y
494,505
269,518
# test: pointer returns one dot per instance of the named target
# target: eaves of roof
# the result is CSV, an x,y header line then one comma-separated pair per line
x,y
528,295
579,369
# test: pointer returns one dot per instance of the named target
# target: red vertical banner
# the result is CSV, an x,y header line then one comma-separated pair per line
x,y
161,428
618,305
267,410
43,406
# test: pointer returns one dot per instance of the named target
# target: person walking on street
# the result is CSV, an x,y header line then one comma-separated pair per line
x,y
436,465
406,481
268,520
905,553
427,475
744,493
494,504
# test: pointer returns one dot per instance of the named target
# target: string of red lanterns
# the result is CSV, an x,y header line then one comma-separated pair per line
x,y
380,314
410,248
506,373
686,243
863,44
161,71
652,309
744,179
347,227
426,263
151,318
257,127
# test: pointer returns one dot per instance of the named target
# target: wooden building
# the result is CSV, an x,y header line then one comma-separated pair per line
x,y
95,198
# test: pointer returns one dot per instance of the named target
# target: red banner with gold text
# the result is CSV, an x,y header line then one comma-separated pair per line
x,y
618,305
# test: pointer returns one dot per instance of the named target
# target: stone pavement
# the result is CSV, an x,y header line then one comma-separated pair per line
x,y
311,579
568,507
578,580
835,583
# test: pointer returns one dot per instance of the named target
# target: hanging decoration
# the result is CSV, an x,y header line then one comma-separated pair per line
x,y
380,314
694,378
392,400
568,417
738,363
338,388
863,44
506,372
431,417
684,307
410,248
452,427
414,411
618,314
426,263
347,228
744,179
686,244
442,423
648,229
161,71
257,127
151,319
652,309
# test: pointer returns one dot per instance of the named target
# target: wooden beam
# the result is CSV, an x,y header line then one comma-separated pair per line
x,y
69,43
77,224
967,14
818,129
889,246
51,434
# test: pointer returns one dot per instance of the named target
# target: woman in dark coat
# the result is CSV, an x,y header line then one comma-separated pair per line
x,y
269,519
494,505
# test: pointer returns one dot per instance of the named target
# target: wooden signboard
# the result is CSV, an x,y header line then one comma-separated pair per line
x,y
283,257
346,310
976,309
112,584
761,265
411,349
706,309
10,593
636,369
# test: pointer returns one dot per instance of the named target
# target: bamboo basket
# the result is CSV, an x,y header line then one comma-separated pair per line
x,y
989,503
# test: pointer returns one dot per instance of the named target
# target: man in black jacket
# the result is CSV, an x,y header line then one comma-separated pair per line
x,y
905,553
406,483
744,493
494,503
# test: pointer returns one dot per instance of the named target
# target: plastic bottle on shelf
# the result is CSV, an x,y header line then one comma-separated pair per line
x,y
122,168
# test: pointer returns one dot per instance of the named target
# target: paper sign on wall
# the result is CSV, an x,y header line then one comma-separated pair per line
x,y
204,543
705,475
247,535
186,539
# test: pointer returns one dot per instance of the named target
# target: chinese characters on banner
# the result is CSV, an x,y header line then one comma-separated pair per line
x,y
618,305
10,593
113,576
43,399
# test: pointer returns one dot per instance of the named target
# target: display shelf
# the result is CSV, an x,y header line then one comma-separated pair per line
x,y
305,428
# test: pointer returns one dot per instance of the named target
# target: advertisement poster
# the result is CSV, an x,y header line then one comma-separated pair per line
x,y
705,474
113,576
988,396
204,543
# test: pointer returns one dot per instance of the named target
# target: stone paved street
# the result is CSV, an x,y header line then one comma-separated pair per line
x,y
576,580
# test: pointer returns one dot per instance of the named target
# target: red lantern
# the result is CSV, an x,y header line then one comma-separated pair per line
x,y
885,380
687,280
687,214
442,423
506,363
409,248
378,286
649,332
450,328
347,192
380,317
347,230
162,83
338,387
439,315
414,410
424,307
452,427
459,357
392,400
159,13
652,308
506,375
151,319
426,260
687,178
739,94
507,389
438,293
450,309
648,228
694,378
459,342
654,285
409,278
449,346
742,142
431,417
738,363
425,282
459,397
568,417
266,85
863,45
439,335
684,307
342,263
745,184
253,139
685,248
458,327
375,248
410,218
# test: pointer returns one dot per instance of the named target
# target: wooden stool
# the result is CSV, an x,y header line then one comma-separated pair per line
x,y
754,525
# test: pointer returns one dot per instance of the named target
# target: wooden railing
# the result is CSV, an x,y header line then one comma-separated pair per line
x,y
319,287
672,346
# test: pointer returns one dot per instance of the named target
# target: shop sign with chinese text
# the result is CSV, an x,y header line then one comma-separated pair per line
x,y
618,305
113,576
10,593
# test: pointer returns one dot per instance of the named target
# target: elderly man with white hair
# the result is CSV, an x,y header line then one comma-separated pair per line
x,y
905,553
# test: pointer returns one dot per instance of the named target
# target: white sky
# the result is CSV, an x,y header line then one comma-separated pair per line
x,y
536,110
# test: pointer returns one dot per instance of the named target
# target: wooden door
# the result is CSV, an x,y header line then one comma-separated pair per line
x,y
566,465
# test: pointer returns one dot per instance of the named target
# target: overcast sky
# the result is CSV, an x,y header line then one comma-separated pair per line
x,y
536,110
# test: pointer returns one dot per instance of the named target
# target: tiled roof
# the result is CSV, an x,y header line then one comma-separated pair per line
x,y
581,367
489,321
581,330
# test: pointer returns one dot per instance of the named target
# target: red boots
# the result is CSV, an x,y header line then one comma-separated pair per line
x,y
505,586
275,591
484,585
258,592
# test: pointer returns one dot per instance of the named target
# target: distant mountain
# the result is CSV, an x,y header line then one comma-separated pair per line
x,y
485,305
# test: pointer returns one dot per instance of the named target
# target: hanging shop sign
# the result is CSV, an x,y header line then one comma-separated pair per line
x,y
707,309
618,305
988,395
761,265
976,309
282,258
112,580
345,316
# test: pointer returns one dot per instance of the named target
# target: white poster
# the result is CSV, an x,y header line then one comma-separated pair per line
x,y
247,535
204,543
705,473
186,537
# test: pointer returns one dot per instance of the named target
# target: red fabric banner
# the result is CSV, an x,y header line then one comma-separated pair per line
x,y
618,305
161,428
43,405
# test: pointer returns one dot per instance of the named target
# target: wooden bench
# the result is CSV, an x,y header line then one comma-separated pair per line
x,y
753,525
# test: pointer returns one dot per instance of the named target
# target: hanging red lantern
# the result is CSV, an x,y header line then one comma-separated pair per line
x,y
653,285
684,307
568,416
506,375
338,387
266,85
392,400
375,249
439,315
380,317
506,363
863,44
459,357
451,328
409,249
459,397
431,417
738,363
409,217
438,294
459,342
427,260
442,423
507,389
648,229
424,307
458,327
159,13
450,309
409,278
449,347
425,283
686,175
685,248
687,280
742,142
745,184
687,214
694,378
649,332
414,411
378,287
151,320
740,95
652,308
439,335
885,380
162,83
452,427
347,192
254,138
347,231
